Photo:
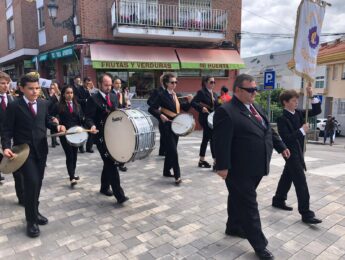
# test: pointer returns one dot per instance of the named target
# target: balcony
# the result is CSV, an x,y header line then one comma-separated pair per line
x,y
160,21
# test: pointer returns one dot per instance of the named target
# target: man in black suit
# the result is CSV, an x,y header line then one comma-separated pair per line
x,y
292,129
244,142
98,108
205,102
5,100
26,122
154,95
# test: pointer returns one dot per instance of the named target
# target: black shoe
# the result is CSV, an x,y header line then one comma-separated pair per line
x,y
264,254
122,168
214,167
32,229
41,220
2,178
77,178
89,150
57,143
235,233
53,145
204,164
282,206
107,192
178,181
73,182
123,200
81,149
312,220
167,174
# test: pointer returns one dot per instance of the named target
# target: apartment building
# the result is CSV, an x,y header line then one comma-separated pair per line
x,y
136,40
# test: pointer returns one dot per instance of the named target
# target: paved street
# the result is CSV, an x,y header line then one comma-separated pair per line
x,y
162,221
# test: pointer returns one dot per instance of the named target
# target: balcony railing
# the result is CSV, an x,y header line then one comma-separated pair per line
x,y
11,41
168,16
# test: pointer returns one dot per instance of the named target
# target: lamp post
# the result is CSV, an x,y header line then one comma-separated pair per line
x,y
71,23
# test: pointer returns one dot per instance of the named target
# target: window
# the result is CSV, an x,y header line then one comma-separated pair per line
x,y
341,107
343,72
320,82
196,3
335,72
11,38
8,3
40,17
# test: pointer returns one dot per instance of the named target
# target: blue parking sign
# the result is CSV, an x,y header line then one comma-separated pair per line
x,y
269,79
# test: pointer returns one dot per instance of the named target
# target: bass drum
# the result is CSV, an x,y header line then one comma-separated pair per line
x,y
129,135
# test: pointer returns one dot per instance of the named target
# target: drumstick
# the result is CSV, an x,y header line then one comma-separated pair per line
x,y
71,133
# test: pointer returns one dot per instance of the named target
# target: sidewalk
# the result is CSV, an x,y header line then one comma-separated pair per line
x,y
162,221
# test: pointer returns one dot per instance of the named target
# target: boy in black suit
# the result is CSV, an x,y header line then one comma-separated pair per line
x,y
292,129
26,122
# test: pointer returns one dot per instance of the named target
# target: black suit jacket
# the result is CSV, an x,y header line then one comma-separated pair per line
x,y
24,128
164,100
10,99
76,118
203,97
288,128
97,110
84,95
242,144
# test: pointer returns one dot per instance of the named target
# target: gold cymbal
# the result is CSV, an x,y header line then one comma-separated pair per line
x,y
9,165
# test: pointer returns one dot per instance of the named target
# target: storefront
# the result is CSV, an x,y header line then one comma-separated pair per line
x,y
139,67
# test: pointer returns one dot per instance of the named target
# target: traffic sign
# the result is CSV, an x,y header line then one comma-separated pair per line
x,y
269,79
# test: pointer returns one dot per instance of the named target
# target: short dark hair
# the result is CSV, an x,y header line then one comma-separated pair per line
x,y
76,76
101,77
205,79
166,78
29,77
86,79
224,89
239,80
286,95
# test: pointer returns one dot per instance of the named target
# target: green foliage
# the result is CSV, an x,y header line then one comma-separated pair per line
x,y
276,107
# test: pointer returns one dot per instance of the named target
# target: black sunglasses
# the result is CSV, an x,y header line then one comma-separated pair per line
x,y
173,82
249,90
212,82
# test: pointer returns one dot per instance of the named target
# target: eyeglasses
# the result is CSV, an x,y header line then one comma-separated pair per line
x,y
212,82
249,90
173,82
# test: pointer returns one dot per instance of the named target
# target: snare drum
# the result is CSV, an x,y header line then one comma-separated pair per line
x,y
129,135
210,120
183,124
78,139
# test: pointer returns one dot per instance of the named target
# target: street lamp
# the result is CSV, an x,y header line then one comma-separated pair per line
x,y
71,23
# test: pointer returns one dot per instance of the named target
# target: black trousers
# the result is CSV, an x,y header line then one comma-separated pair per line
x,y
171,155
110,173
206,137
71,153
33,173
89,142
294,173
19,185
243,210
161,139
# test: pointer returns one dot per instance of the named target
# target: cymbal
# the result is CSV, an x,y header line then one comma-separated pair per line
x,y
9,165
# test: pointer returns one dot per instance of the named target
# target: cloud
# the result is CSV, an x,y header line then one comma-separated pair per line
x,y
272,16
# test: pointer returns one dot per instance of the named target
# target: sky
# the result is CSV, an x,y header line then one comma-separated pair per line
x,y
277,16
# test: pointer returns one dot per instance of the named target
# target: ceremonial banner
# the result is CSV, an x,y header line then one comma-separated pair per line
x,y
310,16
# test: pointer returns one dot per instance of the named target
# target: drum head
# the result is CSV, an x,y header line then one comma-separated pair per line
x,y
210,120
76,139
119,136
182,124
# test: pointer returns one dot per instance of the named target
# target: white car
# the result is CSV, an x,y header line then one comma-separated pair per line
x,y
321,123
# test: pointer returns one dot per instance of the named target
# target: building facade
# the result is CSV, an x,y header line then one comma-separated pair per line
x,y
135,40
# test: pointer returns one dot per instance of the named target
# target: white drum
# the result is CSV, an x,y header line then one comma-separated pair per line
x,y
129,135
77,139
183,124
210,120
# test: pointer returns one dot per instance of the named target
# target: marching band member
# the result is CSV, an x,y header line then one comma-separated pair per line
x,y
205,102
98,108
70,114
26,122
165,107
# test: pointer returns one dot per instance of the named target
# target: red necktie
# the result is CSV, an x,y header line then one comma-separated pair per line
x,y
108,100
118,96
70,107
255,113
31,107
3,103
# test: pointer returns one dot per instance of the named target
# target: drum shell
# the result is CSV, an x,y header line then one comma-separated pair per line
x,y
188,123
78,139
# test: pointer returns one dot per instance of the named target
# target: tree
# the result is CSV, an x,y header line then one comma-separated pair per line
x,y
276,107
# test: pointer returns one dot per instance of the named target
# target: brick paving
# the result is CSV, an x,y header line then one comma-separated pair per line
x,y
162,221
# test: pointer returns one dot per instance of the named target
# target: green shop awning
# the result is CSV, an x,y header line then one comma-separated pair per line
x,y
55,54
210,59
107,56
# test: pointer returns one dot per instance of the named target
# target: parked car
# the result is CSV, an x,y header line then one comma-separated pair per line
x,y
321,123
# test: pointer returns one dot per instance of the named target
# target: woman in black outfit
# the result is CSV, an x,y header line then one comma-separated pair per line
x,y
69,112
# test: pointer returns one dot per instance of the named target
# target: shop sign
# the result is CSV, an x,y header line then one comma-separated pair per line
x,y
135,65
28,64
42,57
61,53
9,67
211,66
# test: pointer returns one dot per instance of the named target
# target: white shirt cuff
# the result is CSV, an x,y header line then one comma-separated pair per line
x,y
315,100
302,131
